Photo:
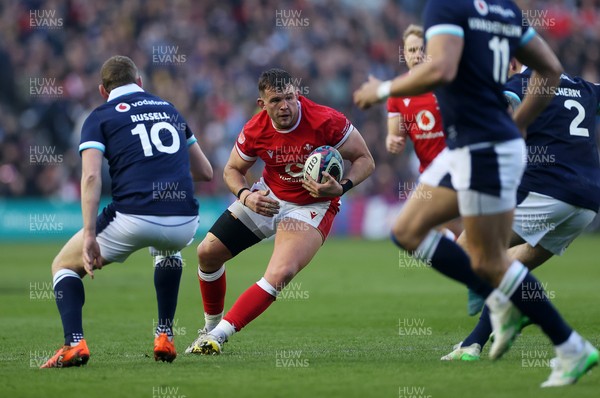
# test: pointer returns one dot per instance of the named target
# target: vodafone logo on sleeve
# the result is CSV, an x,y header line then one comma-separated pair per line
x,y
122,107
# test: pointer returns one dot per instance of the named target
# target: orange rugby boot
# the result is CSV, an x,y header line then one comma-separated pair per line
x,y
68,356
164,349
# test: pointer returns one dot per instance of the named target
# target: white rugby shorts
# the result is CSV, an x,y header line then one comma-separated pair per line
x,y
319,215
122,234
543,220
485,175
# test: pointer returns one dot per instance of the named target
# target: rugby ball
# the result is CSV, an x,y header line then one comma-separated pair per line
x,y
324,158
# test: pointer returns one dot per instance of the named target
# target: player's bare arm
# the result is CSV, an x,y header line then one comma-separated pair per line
x,y
395,141
443,53
234,175
91,184
199,164
362,165
547,69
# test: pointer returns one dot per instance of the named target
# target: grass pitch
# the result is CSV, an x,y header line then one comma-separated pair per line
x,y
359,321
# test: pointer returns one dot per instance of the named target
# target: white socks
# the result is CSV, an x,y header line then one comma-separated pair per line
x,y
571,347
512,279
211,321
223,330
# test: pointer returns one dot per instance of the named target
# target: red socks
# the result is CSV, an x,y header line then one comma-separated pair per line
x,y
249,305
212,288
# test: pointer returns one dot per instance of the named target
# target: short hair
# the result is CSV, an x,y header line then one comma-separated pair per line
x,y
413,29
117,71
274,79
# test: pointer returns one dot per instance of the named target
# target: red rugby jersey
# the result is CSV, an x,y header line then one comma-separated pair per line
x,y
285,151
423,123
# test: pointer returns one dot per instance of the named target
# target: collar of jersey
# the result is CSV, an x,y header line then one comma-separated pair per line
x,y
124,90
295,125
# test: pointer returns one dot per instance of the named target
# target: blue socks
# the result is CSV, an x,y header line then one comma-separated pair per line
x,y
528,295
523,289
449,259
482,331
167,275
70,297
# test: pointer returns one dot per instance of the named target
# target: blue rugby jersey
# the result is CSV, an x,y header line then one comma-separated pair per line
x,y
473,106
562,151
145,141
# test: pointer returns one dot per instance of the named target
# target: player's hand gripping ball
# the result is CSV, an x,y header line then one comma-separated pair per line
x,y
324,158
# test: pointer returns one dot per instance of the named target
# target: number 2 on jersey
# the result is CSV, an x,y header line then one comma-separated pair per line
x,y
140,130
574,128
501,58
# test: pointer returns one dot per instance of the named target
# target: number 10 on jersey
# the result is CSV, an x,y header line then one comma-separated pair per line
x,y
141,130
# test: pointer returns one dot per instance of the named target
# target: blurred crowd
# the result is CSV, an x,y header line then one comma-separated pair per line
x,y
205,57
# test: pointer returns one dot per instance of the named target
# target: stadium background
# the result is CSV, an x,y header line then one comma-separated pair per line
x,y
205,57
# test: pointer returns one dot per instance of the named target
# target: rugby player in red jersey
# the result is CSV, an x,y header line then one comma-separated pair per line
x,y
417,117
420,119
298,213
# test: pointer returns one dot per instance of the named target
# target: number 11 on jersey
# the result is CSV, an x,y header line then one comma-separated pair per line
x,y
501,58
